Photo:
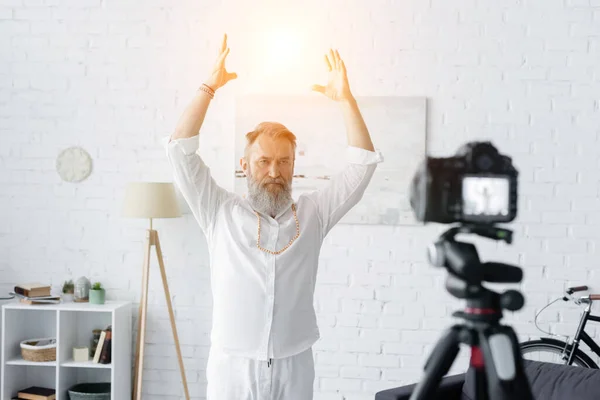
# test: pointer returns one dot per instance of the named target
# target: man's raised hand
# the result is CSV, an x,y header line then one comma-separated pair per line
x,y
219,76
337,87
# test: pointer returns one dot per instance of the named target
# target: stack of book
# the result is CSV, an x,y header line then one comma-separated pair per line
x,y
35,293
103,351
36,393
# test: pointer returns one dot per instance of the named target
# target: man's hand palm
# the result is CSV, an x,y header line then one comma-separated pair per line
x,y
336,88
337,84
219,76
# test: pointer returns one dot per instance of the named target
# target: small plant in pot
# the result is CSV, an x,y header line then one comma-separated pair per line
x,y
97,293
67,291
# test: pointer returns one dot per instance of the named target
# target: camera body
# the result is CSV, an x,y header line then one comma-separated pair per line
x,y
478,186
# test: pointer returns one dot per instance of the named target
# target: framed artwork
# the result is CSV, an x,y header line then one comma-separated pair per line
x,y
397,126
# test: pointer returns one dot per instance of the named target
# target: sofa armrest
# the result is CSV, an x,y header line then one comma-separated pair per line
x,y
450,388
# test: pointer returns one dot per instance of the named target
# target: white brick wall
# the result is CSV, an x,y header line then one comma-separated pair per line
x,y
114,76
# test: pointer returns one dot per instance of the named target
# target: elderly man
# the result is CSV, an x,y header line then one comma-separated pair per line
x,y
264,248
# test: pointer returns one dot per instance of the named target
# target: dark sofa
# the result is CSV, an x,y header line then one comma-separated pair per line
x,y
548,382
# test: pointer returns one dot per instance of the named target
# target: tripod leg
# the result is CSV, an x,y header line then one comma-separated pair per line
x,y
439,362
504,369
171,315
139,364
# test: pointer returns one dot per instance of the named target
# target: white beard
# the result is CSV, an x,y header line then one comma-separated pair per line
x,y
268,201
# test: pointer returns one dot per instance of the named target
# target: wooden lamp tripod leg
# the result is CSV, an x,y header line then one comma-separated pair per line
x,y
141,334
171,315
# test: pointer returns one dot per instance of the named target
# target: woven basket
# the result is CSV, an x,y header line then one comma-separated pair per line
x,y
43,349
90,391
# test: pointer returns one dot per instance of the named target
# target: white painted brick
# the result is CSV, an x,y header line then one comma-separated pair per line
x,y
371,279
6,13
360,346
573,246
368,254
584,232
546,231
393,294
371,307
327,345
342,332
70,14
340,384
379,360
408,281
328,396
409,361
421,336
10,28
331,358
380,334
394,308
333,277
577,189
360,373
589,261
389,267
33,14
350,305
556,175
347,320
404,322
401,348
586,204
329,371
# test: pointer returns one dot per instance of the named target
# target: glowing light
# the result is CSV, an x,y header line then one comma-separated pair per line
x,y
283,50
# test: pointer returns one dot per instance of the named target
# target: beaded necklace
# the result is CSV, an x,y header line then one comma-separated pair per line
x,y
287,245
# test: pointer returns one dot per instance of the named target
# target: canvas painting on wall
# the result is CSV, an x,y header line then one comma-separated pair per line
x,y
397,126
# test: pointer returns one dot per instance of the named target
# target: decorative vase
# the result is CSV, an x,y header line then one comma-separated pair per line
x,y
97,296
67,297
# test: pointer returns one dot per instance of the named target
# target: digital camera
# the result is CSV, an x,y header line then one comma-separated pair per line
x,y
478,186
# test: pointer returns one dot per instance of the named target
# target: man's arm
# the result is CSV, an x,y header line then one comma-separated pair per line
x,y
347,188
190,174
191,120
356,129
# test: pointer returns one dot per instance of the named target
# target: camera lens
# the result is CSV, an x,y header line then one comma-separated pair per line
x,y
434,255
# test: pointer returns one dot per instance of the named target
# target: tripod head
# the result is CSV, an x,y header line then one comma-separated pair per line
x,y
467,273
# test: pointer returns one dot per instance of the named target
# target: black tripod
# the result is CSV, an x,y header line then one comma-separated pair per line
x,y
495,354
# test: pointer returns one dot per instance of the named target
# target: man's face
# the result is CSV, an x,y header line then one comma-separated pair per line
x,y
270,164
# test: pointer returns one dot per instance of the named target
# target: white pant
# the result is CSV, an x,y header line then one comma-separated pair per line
x,y
239,378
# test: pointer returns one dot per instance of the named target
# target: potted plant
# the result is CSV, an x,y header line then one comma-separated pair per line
x,y
97,293
68,290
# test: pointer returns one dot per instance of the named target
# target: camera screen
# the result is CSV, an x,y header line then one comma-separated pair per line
x,y
483,196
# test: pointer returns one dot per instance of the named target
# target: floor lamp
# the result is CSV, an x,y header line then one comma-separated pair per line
x,y
152,200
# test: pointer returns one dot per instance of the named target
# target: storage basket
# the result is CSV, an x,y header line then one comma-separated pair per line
x,y
43,349
90,391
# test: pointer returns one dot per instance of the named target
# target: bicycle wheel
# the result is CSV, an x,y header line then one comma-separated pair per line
x,y
553,351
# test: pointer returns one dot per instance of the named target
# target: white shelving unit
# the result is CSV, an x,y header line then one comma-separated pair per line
x,y
72,325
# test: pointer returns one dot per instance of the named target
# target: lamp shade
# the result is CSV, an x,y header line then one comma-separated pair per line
x,y
150,200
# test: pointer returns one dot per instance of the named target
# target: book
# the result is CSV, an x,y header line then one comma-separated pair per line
x,y
37,393
105,355
30,302
96,358
38,300
33,289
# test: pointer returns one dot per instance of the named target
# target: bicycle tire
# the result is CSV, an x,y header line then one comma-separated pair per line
x,y
556,347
